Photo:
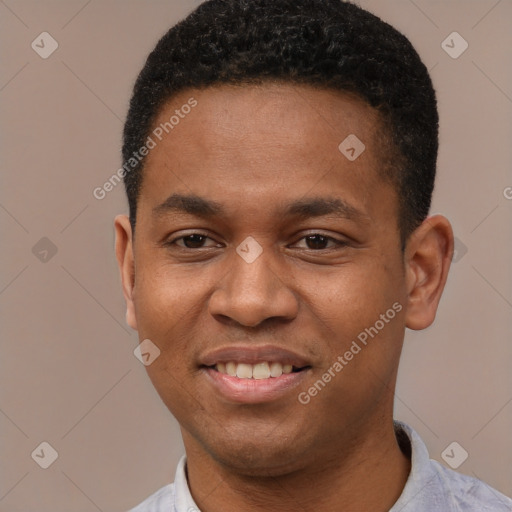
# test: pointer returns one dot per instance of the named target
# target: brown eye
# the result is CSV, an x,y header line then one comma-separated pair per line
x,y
194,241
316,241
320,242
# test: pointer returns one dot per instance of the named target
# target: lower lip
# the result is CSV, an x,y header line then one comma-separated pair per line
x,y
253,391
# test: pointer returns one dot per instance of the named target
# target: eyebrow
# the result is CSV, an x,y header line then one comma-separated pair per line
x,y
302,208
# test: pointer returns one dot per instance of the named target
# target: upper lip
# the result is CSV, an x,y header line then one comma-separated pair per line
x,y
253,355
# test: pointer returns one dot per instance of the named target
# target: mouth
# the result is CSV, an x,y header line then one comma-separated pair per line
x,y
254,375
259,371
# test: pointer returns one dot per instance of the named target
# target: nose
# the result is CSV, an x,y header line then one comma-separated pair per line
x,y
251,293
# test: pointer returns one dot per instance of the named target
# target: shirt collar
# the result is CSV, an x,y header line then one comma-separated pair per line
x,y
183,501
424,489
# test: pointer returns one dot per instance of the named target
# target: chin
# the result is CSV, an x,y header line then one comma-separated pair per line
x,y
268,456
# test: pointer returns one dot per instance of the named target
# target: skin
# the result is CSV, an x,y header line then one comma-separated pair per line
x,y
254,149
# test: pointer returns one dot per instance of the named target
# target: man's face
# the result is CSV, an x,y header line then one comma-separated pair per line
x,y
271,273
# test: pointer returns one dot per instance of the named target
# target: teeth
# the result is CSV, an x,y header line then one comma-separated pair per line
x,y
263,370
230,369
276,370
244,371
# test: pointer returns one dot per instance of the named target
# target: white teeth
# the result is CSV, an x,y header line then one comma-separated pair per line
x,y
244,371
230,369
276,370
263,370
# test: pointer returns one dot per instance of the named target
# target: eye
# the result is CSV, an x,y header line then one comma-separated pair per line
x,y
313,241
317,241
193,241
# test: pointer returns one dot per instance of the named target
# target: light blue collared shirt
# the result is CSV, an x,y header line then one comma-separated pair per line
x,y
430,487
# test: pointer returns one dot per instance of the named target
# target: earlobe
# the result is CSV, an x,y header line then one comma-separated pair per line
x,y
126,262
428,257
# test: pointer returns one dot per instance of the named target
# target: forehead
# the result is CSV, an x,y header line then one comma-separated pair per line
x,y
259,142
275,112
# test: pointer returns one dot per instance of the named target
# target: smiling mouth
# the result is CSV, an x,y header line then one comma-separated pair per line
x,y
258,371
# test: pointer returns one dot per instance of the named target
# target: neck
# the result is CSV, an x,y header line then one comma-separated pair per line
x,y
369,473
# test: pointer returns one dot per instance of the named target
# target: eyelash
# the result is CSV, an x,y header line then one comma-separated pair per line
x,y
339,243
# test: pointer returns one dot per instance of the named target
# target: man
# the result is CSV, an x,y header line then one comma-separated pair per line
x,y
281,160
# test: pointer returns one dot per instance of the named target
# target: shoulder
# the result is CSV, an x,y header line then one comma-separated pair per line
x,y
160,501
431,486
469,494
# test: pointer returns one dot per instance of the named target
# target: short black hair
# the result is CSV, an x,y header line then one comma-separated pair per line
x,y
331,44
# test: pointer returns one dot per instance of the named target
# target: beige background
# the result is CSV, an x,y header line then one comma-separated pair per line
x,y
69,376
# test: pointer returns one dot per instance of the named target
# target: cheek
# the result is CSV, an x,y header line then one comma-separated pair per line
x,y
167,297
167,306
353,296
359,311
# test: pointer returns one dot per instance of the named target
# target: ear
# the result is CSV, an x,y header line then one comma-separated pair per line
x,y
126,262
428,256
